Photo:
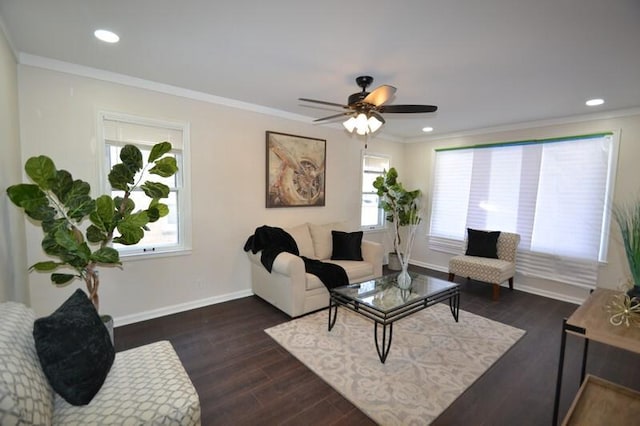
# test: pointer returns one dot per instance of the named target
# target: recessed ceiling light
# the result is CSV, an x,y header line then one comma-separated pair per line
x,y
594,102
106,36
427,129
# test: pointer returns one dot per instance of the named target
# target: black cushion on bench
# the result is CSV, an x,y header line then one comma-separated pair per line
x,y
482,243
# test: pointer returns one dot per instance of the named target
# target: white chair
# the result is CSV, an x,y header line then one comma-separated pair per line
x,y
489,270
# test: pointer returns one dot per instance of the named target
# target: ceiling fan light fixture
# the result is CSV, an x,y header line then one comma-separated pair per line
x,y
365,109
364,123
350,124
361,125
374,124
361,121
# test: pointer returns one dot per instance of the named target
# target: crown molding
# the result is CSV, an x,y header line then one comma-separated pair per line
x,y
604,115
140,83
126,80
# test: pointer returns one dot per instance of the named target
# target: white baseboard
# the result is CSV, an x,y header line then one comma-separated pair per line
x,y
550,294
182,307
525,288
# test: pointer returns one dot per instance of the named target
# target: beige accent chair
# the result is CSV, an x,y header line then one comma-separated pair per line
x,y
146,385
289,288
492,271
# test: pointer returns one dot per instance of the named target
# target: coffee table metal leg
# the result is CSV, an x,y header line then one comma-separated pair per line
x,y
454,305
333,307
386,343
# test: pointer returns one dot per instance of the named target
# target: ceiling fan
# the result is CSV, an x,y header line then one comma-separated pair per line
x,y
365,108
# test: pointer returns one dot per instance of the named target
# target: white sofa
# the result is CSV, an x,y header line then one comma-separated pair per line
x,y
295,292
145,386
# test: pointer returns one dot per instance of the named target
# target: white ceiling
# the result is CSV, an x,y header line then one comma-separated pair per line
x,y
484,63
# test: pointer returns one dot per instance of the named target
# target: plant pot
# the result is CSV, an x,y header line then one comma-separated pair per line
x,y
107,320
394,262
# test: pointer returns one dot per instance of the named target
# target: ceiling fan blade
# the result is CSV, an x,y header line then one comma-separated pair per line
x,y
334,116
380,95
323,103
407,108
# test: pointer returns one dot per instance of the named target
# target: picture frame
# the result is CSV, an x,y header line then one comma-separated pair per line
x,y
295,169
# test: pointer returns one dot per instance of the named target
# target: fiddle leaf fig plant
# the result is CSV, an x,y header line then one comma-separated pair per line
x,y
61,204
402,209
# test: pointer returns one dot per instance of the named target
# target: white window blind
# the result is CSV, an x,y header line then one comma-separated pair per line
x,y
371,216
555,193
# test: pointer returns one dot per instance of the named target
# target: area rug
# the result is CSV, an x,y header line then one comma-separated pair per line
x,y
432,359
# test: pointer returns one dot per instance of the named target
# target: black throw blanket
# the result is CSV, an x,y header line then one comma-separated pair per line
x,y
273,241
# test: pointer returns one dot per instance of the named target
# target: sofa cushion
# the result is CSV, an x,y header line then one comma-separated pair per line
x,y
347,245
355,270
322,239
302,237
482,243
74,348
25,395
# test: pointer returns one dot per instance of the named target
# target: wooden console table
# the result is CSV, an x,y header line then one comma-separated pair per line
x,y
591,321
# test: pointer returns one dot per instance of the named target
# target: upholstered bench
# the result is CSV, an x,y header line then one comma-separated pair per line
x,y
494,271
145,386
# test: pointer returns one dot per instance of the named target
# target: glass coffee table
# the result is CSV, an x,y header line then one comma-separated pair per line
x,y
384,302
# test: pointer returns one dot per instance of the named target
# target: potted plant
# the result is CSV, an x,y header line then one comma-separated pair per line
x,y
628,218
61,204
402,209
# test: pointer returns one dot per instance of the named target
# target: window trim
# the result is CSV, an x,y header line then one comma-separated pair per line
x,y
184,190
381,214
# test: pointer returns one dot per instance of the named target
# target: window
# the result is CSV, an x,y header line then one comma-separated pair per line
x,y
555,193
170,233
372,216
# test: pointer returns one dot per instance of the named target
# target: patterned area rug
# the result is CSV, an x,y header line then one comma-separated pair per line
x,y
432,359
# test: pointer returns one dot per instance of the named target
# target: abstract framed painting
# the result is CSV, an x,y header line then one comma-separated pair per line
x,y
295,170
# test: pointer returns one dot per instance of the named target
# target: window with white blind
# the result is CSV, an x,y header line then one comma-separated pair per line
x,y
371,215
170,233
555,193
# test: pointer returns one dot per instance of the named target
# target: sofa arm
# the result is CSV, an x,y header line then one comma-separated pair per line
x,y
285,263
372,252
289,264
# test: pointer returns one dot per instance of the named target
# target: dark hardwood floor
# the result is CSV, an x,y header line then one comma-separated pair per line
x,y
244,378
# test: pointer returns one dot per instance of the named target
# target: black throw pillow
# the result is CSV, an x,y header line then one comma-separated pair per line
x,y
482,243
74,349
347,245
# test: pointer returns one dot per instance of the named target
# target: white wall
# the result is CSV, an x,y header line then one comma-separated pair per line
x,y
419,158
13,264
58,118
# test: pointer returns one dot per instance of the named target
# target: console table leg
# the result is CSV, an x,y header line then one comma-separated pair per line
x,y
556,402
584,360
386,344
333,307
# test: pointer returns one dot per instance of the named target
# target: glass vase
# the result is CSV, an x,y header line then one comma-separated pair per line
x,y
404,279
